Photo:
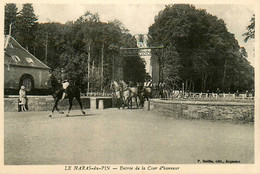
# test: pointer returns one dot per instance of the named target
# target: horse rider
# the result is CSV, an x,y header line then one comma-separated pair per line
x,y
148,83
65,84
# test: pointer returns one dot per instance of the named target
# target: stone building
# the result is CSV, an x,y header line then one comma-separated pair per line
x,y
22,68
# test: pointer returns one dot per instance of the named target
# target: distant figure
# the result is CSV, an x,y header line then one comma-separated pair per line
x,y
247,94
208,93
218,91
237,93
148,83
253,92
22,94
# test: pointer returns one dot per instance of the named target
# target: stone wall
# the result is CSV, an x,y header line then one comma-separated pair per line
x,y
205,110
46,103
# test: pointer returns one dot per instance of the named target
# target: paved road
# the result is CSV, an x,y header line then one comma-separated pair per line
x,y
114,136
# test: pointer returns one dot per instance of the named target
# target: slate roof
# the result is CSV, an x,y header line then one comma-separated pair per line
x,y
16,55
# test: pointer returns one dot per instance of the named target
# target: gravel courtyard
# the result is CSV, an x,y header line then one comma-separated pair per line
x,y
130,136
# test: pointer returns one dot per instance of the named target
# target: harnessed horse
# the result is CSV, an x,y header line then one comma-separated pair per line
x,y
57,92
125,93
133,94
116,93
144,93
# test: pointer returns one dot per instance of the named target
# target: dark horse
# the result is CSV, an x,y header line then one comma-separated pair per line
x,y
57,91
144,93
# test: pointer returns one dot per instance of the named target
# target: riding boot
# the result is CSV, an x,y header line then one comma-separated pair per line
x,y
63,95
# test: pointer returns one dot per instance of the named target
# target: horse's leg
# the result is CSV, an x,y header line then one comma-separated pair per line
x,y
141,98
136,102
70,101
54,106
80,104
123,102
130,101
118,103
61,112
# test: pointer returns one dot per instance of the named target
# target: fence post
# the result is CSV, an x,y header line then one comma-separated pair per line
x,y
93,102
101,104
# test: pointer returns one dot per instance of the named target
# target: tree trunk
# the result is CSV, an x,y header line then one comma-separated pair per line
x,y
190,82
186,85
113,74
193,86
46,48
88,65
102,64
204,82
224,75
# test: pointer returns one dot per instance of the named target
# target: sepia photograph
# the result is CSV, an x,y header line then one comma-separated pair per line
x,y
129,87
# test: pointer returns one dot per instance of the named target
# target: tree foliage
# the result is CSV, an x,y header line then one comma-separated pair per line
x,y
69,45
199,50
11,12
250,34
26,27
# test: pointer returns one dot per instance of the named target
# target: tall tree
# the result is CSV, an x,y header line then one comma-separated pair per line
x,y
27,26
11,12
50,42
85,46
250,34
199,48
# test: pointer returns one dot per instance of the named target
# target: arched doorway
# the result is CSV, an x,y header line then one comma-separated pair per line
x,y
27,81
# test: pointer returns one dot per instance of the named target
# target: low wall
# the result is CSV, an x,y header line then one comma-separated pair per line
x,y
46,103
217,110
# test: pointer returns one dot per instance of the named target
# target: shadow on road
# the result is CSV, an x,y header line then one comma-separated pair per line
x,y
82,115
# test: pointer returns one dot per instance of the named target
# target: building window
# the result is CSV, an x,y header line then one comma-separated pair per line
x,y
16,58
29,60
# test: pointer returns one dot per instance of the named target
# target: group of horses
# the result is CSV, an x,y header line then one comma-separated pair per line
x,y
123,94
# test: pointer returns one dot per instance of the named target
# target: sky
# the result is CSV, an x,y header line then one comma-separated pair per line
x,y
138,17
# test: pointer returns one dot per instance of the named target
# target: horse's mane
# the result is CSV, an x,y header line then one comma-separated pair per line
x,y
123,83
115,83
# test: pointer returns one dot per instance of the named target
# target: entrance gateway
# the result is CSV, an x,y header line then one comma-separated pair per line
x,y
153,63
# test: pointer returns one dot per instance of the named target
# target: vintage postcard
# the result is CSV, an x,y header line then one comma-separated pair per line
x,y
129,87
